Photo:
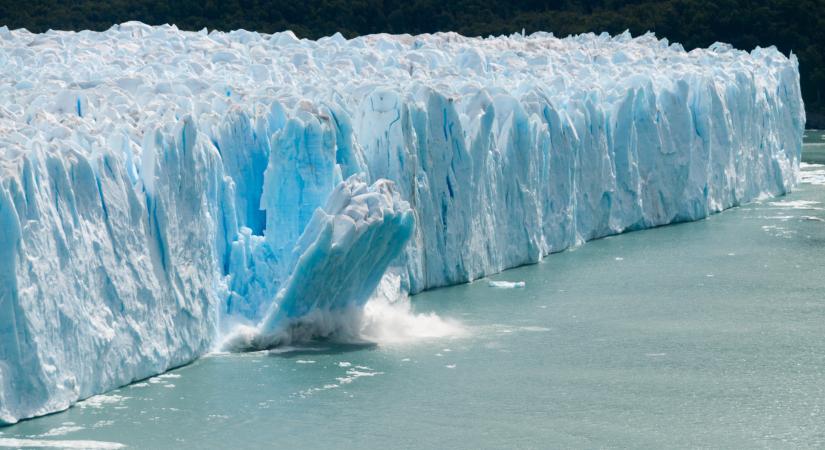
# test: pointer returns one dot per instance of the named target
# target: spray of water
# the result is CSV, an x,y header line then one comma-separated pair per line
x,y
386,319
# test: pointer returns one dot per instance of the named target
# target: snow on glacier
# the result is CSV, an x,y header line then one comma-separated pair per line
x,y
165,192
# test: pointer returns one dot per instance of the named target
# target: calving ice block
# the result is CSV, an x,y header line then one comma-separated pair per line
x,y
164,193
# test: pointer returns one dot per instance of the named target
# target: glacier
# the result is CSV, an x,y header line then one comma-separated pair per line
x,y
165,193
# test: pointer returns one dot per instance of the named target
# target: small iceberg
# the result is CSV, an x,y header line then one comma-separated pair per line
x,y
506,284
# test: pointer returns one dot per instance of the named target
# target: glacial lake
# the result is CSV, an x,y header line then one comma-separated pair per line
x,y
704,334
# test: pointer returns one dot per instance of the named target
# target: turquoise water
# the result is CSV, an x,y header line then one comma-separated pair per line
x,y
701,334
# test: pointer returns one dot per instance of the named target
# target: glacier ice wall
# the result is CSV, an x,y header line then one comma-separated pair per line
x,y
164,192
103,283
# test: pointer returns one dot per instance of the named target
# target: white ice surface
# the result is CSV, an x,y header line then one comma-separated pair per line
x,y
506,284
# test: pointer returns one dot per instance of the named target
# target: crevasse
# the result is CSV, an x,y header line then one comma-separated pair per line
x,y
163,193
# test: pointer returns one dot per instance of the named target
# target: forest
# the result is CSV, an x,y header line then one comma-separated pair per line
x,y
791,25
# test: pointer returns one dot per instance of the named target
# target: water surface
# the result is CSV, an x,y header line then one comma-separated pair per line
x,y
815,146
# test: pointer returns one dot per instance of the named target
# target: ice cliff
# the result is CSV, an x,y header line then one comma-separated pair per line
x,y
166,192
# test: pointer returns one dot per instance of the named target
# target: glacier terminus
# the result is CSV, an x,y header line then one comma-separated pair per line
x,y
165,194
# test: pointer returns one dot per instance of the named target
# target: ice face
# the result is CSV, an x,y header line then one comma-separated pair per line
x,y
165,192
104,283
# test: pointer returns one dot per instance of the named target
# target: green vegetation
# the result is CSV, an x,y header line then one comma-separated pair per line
x,y
791,25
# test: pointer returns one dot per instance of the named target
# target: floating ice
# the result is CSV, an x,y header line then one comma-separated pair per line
x,y
62,430
43,443
798,204
169,375
98,401
506,284
812,173
163,192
